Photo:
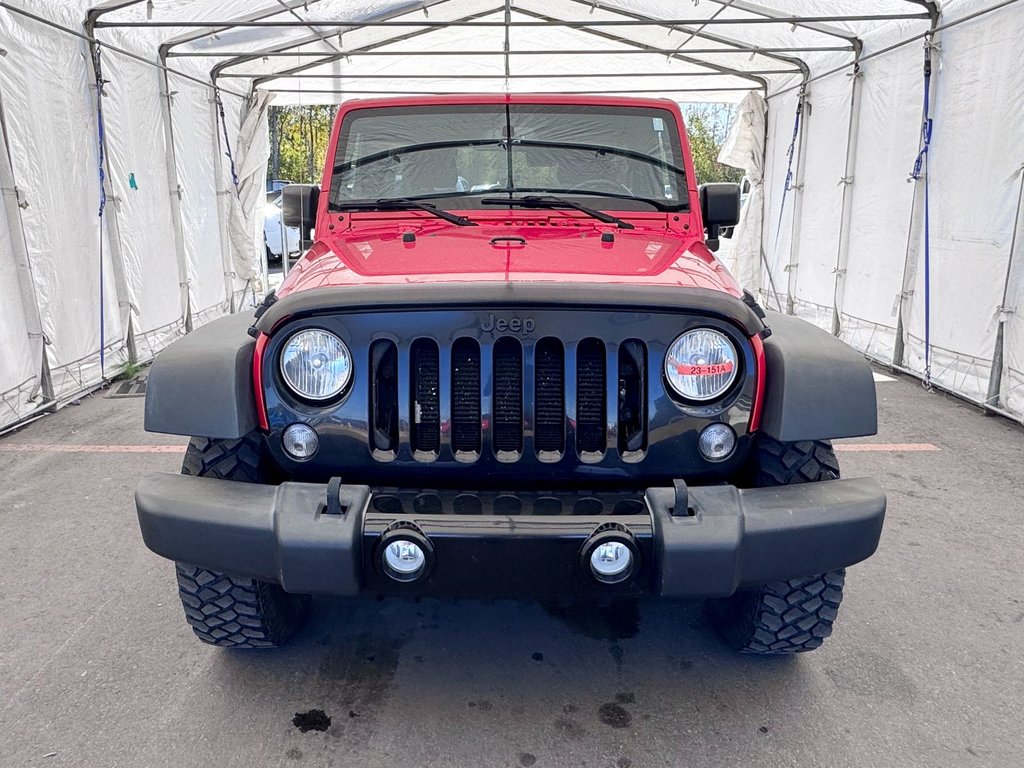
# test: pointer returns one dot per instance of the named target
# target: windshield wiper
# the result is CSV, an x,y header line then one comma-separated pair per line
x,y
601,149
550,201
395,153
403,204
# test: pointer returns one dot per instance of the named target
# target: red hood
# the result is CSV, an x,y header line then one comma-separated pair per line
x,y
556,249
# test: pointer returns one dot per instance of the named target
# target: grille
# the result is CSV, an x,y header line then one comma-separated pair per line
x,y
466,396
508,395
590,396
384,395
632,396
549,394
476,397
426,389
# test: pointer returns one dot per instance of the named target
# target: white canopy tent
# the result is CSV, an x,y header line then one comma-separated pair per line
x,y
135,149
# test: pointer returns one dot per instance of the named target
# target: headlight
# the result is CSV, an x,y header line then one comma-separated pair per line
x,y
701,364
316,364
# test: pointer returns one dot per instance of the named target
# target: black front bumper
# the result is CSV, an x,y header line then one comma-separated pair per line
x,y
324,539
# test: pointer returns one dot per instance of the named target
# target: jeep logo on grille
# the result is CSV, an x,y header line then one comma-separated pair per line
x,y
505,325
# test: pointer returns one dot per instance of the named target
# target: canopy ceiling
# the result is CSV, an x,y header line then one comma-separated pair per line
x,y
324,51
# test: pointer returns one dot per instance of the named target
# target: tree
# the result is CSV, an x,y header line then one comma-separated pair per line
x,y
707,126
299,137
298,142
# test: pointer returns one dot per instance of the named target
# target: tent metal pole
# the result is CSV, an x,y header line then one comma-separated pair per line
x,y
310,26
14,204
640,48
636,47
790,20
822,25
736,45
668,75
932,31
94,14
257,55
798,204
110,216
904,308
221,191
191,37
386,92
81,36
846,212
930,6
772,290
175,192
264,254
221,68
995,380
989,409
507,43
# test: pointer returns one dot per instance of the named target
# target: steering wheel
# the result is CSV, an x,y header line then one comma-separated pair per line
x,y
601,185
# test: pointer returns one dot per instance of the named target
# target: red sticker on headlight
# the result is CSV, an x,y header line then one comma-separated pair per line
x,y
712,369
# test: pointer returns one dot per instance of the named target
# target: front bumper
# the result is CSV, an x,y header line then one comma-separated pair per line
x,y
323,539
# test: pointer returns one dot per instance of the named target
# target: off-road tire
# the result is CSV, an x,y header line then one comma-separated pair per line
x,y
808,461
794,616
238,460
223,609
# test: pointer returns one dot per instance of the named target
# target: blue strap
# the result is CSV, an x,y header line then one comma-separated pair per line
x,y
790,153
227,142
921,164
101,154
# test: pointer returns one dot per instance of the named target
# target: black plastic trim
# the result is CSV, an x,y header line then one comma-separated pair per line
x,y
284,534
201,385
816,386
556,295
728,540
742,538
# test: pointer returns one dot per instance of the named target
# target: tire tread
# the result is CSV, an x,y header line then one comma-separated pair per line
x,y
223,609
794,616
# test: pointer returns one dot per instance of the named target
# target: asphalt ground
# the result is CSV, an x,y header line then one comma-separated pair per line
x,y
98,668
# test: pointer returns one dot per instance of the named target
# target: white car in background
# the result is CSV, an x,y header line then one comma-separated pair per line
x,y
272,231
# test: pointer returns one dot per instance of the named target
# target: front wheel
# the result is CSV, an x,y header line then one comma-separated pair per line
x,y
223,609
791,616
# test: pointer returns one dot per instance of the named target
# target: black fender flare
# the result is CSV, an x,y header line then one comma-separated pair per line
x,y
202,386
816,386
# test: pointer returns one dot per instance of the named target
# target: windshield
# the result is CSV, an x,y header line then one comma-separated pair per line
x,y
624,158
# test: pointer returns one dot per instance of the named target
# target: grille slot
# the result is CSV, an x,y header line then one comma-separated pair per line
x,y
425,430
479,398
384,396
632,396
590,396
549,393
508,396
466,396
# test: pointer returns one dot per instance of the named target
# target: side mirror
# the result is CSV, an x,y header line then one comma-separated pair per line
x,y
298,208
719,207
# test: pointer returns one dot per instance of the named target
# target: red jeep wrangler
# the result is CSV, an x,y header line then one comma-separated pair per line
x,y
510,365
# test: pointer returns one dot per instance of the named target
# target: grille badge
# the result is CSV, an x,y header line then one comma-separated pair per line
x,y
524,325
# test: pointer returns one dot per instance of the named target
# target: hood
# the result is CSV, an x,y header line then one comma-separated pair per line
x,y
557,249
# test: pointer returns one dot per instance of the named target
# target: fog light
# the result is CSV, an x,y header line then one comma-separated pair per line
x,y
717,442
300,441
611,561
404,560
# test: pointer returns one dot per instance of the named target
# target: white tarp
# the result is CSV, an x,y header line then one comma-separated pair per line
x,y
53,151
744,148
181,238
21,338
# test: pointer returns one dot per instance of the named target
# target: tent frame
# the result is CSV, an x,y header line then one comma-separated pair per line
x,y
722,32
